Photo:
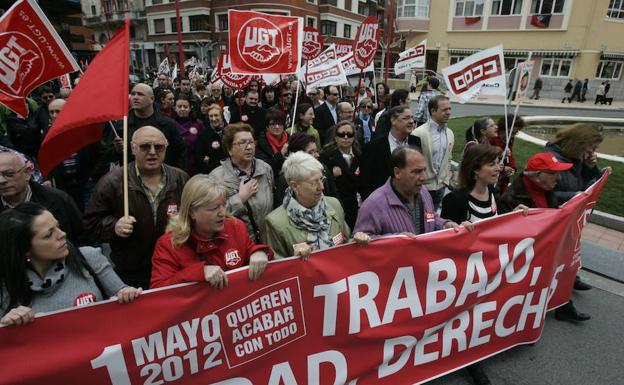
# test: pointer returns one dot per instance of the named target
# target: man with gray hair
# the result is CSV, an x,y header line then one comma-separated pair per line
x,y
155,190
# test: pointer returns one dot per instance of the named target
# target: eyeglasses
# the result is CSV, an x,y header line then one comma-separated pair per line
x,y
368,107
317,182
245,143
12,174
345,134
147,147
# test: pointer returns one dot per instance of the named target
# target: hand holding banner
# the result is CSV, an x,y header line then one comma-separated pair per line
x,y
264,44
483,72
411,58
32,54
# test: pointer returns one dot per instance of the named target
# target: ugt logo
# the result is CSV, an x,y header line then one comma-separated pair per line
x,y
21,63
259,43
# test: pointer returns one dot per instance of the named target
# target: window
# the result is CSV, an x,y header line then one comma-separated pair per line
x,y
609,69
468,8
413,8
159,25
556,67
155,2
616,9
347,31
506,7
311,21
222,22
198,23
544,7
512,62
328,27
174,25
93,10
363,9
329,2
456,58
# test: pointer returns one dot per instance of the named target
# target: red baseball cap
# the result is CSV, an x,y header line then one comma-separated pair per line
x,y
546,161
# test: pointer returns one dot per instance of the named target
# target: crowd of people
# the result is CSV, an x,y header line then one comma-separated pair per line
x,y
221,179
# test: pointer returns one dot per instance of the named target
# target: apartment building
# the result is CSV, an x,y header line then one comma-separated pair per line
x,y
567,39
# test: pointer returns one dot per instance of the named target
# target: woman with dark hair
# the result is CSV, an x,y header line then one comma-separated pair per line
x,y
273,142
383,91
500,141
248,180
167,101
268,97
342,157
481,132
40,271
209,150
189,127
304,117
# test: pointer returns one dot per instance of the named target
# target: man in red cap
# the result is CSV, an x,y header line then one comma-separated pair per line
x,y
534,189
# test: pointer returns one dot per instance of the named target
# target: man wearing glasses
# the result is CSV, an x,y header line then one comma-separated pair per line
x,y
315,98
17,187
154,189
326,115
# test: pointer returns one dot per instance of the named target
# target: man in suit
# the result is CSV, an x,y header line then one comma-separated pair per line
x,y
325,115
376,165
437,146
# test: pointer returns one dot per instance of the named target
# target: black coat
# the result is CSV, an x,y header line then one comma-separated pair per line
x,y
517,194
347,184
323,122
255,116
375,167
209,153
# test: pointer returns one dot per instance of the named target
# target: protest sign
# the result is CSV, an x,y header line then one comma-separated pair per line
x,y
411,58
366,42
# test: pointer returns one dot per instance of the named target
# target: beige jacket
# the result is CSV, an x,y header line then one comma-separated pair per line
x,y
435,181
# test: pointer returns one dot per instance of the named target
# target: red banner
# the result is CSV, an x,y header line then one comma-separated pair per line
x,y
366,41
32,53
344,48
398,311
261,43
312,43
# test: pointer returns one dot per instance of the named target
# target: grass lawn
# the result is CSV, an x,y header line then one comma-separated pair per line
x,y
610,200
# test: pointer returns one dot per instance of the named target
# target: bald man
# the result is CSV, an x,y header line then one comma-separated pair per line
x,y
142,113
154,188
54,109
17,187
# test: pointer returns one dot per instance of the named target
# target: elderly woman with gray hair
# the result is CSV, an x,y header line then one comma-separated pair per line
x,y
307,220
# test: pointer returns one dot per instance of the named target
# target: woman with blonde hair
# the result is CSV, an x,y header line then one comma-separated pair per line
x,y
202,241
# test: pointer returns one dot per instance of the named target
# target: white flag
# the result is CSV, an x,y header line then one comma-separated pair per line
x,y
324,70
163,68
175,72
481,73
411,58
350,68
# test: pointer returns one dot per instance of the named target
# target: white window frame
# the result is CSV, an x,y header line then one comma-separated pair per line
x,y
217,26
551,11
515,5
474,3
328,21
312,1
616,7
417,5
453,59
163,19
559,61
312,18
603,63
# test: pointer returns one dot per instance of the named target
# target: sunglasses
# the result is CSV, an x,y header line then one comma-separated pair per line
x,y
345,134
146,147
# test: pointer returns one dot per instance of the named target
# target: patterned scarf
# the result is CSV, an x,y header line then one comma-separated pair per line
x,y
314,220
50,282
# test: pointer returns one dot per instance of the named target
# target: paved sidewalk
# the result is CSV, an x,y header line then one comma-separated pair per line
x,y
603,236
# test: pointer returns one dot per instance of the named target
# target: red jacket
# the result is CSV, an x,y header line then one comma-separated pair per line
x,y
230,249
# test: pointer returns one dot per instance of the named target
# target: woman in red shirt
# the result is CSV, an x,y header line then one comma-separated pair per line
x,y
202,241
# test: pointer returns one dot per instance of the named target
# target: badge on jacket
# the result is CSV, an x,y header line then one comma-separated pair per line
x,y
429,217
84,299
231,258
172,209
338,239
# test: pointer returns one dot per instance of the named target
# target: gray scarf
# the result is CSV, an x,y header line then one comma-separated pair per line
x,y
314,220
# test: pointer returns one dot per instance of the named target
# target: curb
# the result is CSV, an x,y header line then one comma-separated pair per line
x,y
607,220
548,106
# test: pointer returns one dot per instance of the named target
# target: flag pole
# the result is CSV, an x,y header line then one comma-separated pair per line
x,y
292,124
125,166
375,85
357,92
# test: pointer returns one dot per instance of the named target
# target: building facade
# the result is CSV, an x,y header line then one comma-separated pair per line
x,y
566,39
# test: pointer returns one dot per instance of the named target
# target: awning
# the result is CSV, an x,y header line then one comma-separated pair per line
x,y
612,55
519,52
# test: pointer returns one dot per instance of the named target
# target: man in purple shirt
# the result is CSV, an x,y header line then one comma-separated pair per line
x,y
402,205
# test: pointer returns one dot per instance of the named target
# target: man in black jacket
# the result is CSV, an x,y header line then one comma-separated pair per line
x,y
326,115
376,165
16,187
252,113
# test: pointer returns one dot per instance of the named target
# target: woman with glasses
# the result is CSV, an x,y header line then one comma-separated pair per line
x,y
273,142
307,220
342,158
248,180
365,121
304,117
41,271
202,241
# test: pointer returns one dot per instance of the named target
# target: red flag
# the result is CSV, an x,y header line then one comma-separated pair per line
x,y
101,95
472,20
366,42
264,44
540,21
32,54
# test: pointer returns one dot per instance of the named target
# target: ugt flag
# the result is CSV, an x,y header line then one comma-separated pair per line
x,y
411,58
481,73
31,53
264,44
